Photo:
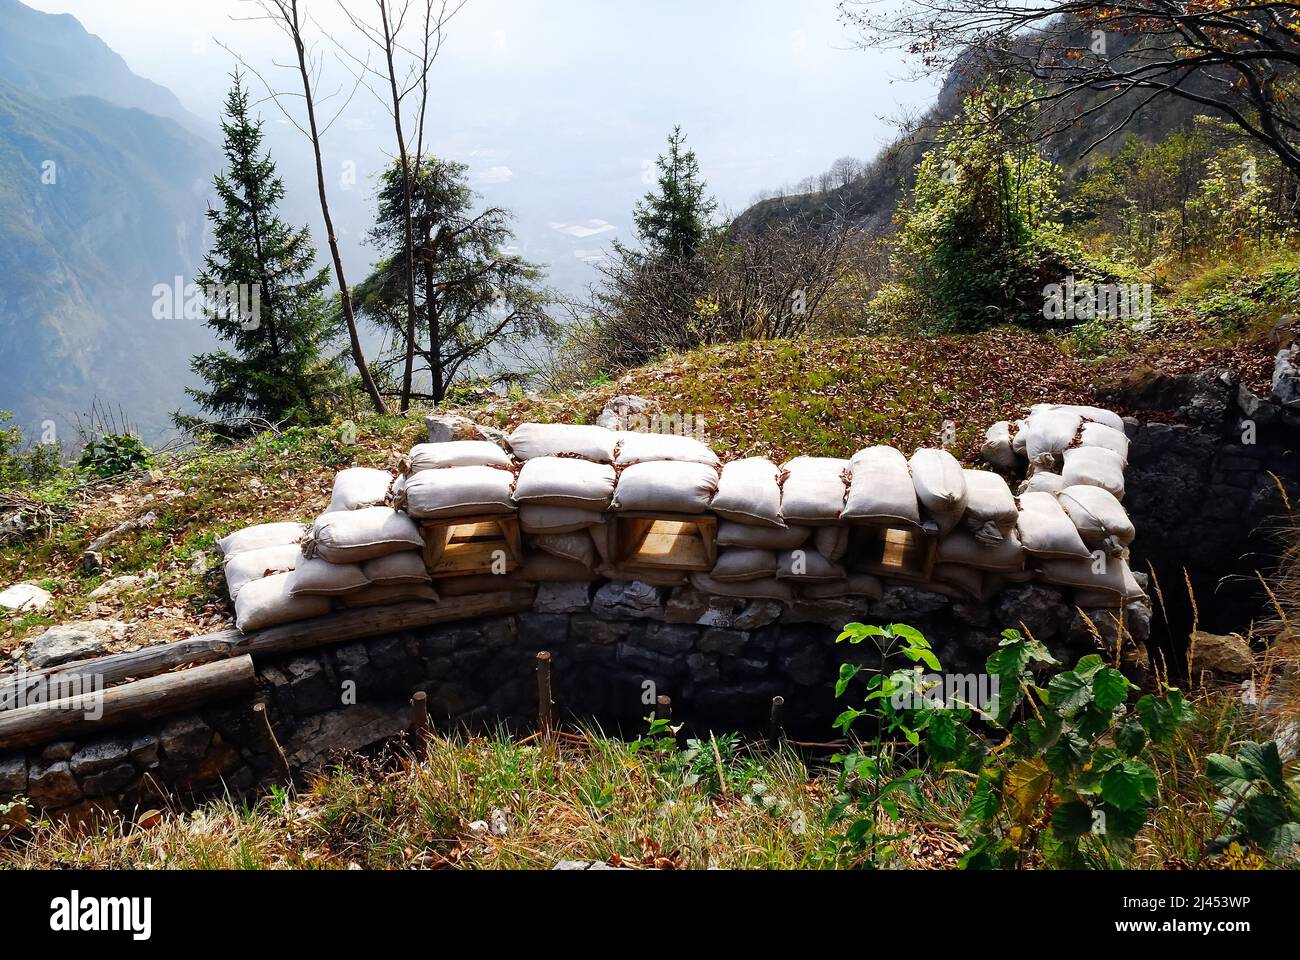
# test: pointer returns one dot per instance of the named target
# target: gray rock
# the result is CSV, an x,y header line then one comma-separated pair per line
x,y
1255,408
628,601
13,776
1042,610
585,628
620,412
544,631
808,666
185,739
832,614
758,614
446,427
902,604
1286,377
1229,654
97,756
144,750
25,597
63,750
685,605
73,641
53,785
109,782
116,587
670,638
728,643
562,598
585,865
313,741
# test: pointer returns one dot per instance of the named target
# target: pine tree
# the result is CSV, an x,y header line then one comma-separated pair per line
x,y
264,294
673,222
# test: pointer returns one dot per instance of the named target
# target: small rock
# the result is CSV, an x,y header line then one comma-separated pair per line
x,y
13,776
116,587
758,614
155,477
25,598
1229,655
628,601
1285,332
1286,378
73,641
562,598
92,563
53,785
446,427
479,829
621,410
500,823
1255,408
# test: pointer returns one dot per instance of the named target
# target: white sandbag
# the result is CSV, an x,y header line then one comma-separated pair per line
x,y
459,492
997,449
854,585
396,569
807,566
1096,414
969,582
1043,481
542,567
940,486
1001,556
243,568
1046,530
533,440
1047,435
655,578
1094,467
355,536
577,547
261,536
736,566
641,447
1018,438
771,589
814,490
1100,435
1098,574
991,511
268,603
319,578
360,487
1101,520
536,519
832,542
761,538
749,491
456,453
666,486
566,482
881,489
383,596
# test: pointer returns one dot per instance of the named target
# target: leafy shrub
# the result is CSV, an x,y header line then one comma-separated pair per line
x,y
115,454
1257,804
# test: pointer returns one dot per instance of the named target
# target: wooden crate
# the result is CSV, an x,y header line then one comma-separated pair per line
x,y
470,546
903,552
664,541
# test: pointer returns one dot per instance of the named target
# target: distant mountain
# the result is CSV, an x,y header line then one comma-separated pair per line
x,y
100,202
53,56
871,199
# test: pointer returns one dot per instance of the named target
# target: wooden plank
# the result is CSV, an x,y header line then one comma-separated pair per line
x,y
665,541
377,621
139,700
133,665
468,546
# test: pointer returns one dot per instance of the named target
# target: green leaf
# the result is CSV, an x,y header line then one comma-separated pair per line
x,y
1130,738
925,656
984,803
847,672
911,634
1067,754
1263,762
1072,820
1069,692
1228,774
1088,666
1109,688
1129,784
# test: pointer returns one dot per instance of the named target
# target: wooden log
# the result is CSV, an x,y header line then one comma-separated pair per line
x,y
133,665
144,699
421,729
377,621
545,694
776,721
262,722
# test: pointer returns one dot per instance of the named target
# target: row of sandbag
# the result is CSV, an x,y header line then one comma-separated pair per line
x,y
1064,446
280,573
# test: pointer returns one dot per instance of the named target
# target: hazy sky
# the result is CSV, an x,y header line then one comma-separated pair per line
x,y
559,106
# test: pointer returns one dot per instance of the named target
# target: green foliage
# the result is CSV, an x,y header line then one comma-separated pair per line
x,y
474,299
673,221
981,235
266,298
114,455
25,468
1259,807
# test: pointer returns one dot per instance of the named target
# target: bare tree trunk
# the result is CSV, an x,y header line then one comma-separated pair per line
x,y
349,317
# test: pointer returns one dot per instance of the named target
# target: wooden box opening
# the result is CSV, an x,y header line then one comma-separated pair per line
x,y
904,552
471,546
665,542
